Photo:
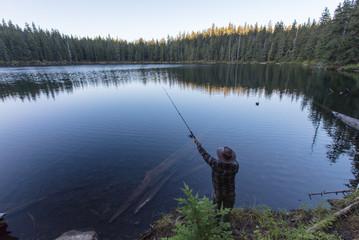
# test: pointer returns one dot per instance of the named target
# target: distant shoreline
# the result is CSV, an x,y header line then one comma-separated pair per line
x,y
349,68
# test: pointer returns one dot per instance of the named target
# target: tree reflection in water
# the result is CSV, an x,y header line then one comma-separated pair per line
x,y
321,91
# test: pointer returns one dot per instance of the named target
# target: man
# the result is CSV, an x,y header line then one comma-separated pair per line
x,y
224,171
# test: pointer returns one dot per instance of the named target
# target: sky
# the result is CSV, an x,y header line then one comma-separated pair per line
x,y
156,19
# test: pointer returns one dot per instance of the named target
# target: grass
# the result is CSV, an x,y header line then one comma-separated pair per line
x,y
262,223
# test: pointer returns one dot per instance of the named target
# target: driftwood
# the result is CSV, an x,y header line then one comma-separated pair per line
x,y
351,122
336,215
336,192
153,181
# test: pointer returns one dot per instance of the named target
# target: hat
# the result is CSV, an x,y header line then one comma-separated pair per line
x,y
226,155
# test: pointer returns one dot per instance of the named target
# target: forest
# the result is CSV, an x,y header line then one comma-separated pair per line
x,y
330,41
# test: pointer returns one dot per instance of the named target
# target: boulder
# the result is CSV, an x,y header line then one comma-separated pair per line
x,y
77,235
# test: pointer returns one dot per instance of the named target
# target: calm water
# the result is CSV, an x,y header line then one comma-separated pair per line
x,y
76,142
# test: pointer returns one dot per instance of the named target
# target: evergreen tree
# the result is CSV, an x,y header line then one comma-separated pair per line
x,y
330,41
351,48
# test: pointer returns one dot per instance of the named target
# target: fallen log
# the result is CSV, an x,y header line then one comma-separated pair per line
x,y
336,215
351,122
153,181
348,209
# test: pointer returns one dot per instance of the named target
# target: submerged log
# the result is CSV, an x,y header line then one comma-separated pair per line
x,y
11,212
351,122
153,181
147,197
24,206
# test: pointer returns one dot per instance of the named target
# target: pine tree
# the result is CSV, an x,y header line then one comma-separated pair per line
x,y
330,41
352,36
321,54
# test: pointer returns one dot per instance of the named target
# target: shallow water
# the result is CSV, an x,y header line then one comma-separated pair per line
x,y
77,141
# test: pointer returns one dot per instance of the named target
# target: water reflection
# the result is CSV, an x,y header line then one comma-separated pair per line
x,y
319,92
337,91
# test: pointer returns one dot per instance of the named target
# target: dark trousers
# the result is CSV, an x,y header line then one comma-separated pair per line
x,y
223,202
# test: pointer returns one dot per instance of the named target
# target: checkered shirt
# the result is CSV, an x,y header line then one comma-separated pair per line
x,y
223,174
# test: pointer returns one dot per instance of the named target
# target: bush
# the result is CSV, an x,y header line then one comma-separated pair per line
x,y
200,219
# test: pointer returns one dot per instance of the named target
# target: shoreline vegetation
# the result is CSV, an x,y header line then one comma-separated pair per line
x,y
339,221
331,42
345,68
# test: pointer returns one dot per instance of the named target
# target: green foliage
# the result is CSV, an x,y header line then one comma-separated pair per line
x,y
164,221
201,219
334,40
272,225
351,67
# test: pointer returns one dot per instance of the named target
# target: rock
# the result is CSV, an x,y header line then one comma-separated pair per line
x,y
3,227
77,235
2,216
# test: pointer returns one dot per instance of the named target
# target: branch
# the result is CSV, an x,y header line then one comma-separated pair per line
x,y
336,215
336,192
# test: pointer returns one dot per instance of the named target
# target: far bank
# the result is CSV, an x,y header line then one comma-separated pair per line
x,y
339,68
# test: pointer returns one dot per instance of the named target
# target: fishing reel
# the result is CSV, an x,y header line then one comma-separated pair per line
x,y
191,135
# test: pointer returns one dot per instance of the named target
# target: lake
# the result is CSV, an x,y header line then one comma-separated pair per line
x,y
79,144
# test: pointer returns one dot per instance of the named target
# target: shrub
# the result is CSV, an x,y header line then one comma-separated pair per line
x,y
200,219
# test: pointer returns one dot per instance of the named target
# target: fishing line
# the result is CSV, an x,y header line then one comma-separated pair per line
x,y
191,135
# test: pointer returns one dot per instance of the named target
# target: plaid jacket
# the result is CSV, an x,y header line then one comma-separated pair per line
x,y
223,174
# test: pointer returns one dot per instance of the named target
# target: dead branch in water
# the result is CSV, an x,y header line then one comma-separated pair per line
x,y
336,192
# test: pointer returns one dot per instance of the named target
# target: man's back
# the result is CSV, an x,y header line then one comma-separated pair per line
x,y
223,174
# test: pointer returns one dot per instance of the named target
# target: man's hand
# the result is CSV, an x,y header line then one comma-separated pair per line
x,y
195,140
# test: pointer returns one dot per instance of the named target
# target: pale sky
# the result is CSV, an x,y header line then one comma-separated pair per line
x,y
155,19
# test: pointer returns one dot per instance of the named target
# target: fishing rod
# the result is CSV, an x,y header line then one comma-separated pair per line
x,y
191,135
